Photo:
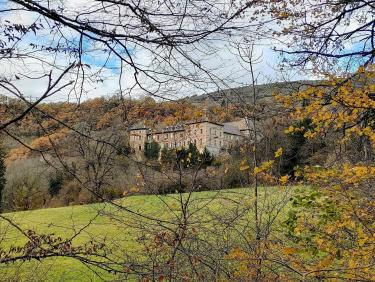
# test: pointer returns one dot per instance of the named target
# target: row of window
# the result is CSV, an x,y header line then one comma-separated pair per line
x,y
173,135
200,142
214,132
186,143
232,137
181,135
182,143
136,137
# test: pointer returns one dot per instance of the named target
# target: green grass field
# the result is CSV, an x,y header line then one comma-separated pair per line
x,y
118,227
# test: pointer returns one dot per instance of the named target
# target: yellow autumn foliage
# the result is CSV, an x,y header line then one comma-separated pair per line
x,y
344,224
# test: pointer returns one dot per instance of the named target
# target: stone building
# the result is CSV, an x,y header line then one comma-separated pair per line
x,y
216,137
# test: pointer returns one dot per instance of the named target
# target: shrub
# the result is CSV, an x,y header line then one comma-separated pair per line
x,y
233,177
207,158
167,157
69,193
152,150
204,180
27,185
55,184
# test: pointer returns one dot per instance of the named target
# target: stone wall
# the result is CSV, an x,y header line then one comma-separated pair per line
x,y
203,134
138,138
170,139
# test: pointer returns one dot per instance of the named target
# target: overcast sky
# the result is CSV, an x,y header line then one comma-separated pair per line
x,y
223,64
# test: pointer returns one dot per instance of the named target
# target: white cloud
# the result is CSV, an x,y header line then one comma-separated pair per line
x,y
219,66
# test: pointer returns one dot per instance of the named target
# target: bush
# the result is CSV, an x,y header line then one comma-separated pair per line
x,y
70,194
294,154
27,185
207,158
234,177
152,150
167,157
55,184
162,184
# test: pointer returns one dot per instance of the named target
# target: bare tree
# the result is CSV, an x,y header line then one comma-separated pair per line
x,y
159,46
327,32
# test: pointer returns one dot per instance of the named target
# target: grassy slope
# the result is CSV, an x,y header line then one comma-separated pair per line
x,y
61,220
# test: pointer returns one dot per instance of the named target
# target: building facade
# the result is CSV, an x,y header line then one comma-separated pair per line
x,y
204,134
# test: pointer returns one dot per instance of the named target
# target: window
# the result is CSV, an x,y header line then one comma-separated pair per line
x,y
181,135
158,137
140,148
201,131
200,141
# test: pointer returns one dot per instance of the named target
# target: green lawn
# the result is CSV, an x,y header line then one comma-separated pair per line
x,y
118,226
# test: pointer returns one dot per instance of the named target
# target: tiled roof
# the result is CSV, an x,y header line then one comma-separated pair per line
x,y
240,124
139,127
230,129
203,121
173,128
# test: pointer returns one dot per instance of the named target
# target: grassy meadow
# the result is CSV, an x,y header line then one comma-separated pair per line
x,y
120,229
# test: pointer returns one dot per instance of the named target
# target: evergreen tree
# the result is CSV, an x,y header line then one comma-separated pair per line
x,y
152,150
167,156
2,176
181,155
207,158
193,155
55,184
294,155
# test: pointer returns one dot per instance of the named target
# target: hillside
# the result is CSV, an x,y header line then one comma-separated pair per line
x,y
123,240
245,93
